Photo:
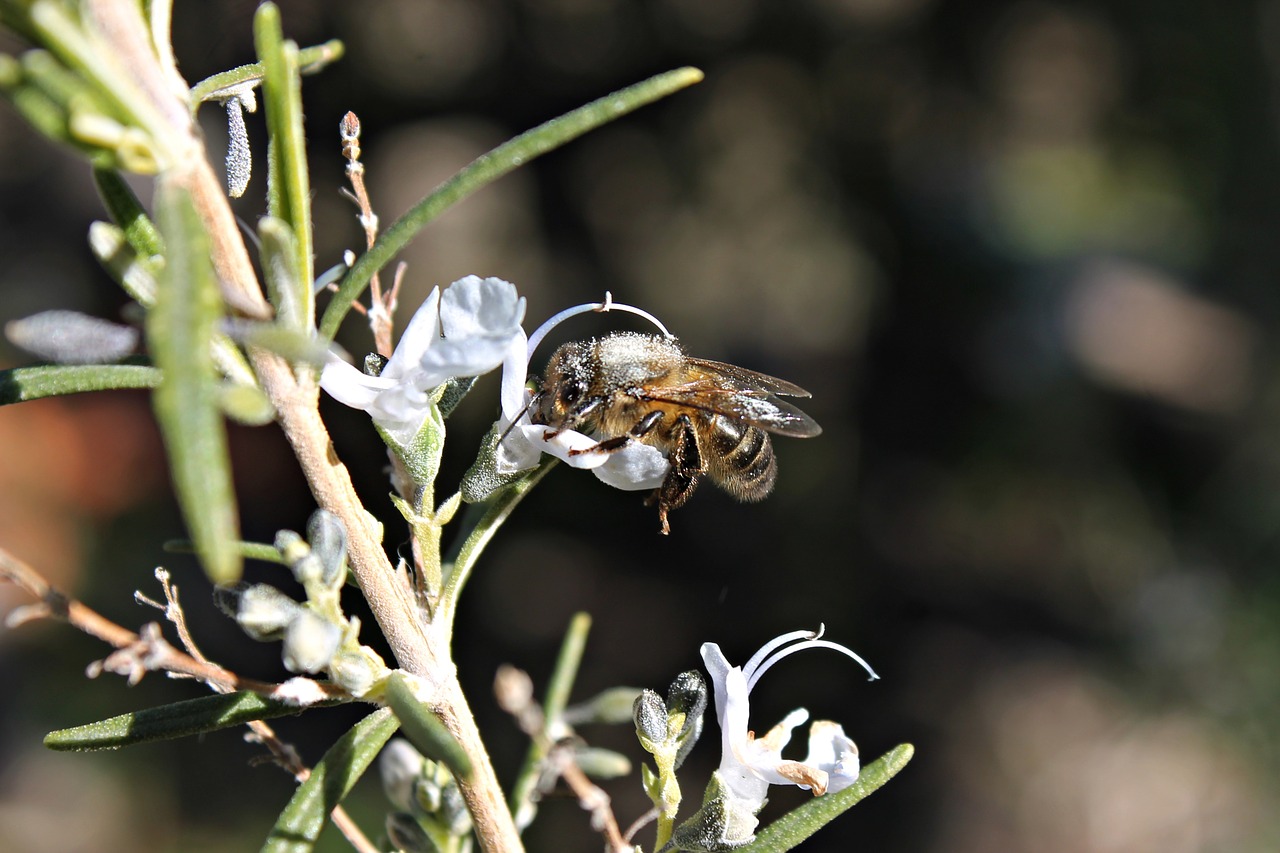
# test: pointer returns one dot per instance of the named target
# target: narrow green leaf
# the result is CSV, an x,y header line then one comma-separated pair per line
x,y
300,823
93,59
219,86
279,253
194,716
489,167
288,181
31,383
127,213
111,247
180,332
797,825
424,729
248,550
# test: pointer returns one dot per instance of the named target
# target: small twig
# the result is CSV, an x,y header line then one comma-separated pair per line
x,y
283,754
136,654
514,690
640,823
381,306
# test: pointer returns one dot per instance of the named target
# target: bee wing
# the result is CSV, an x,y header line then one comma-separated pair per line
x,y
742,377
724,389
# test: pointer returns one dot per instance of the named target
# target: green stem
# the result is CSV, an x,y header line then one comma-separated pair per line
x,y
474,542
488,168
558,690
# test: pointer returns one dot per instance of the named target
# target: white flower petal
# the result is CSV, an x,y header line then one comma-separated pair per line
x,y
475,307
635,467
350,386
418,337
451,357
750,764
830,749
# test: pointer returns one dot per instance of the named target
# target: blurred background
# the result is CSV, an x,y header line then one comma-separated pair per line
x,y
1024,255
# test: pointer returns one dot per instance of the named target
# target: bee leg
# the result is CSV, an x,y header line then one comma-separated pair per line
x,y
609,445
686,463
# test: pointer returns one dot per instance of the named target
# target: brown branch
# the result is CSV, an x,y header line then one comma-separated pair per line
x,y
282,754
136,653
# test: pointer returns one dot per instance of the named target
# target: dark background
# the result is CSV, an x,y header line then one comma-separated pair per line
x,y
1024,255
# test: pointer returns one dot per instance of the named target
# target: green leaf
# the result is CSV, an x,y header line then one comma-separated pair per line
x,y
180,332
279,253
288,181
488,168
424,729
248,550
797,825
221,85
194,716
300,823
127,213
110,245
31,383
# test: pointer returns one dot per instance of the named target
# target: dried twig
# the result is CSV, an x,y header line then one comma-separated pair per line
x,y
514,690
136,654
283,754
382,306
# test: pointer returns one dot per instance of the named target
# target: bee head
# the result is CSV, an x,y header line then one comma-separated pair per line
x,y
564,396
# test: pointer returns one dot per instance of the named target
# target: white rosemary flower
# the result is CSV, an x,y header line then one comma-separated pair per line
x,y
633,467
464,331
750,764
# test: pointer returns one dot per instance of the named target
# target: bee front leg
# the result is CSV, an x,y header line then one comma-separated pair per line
x,y
686,463
609,445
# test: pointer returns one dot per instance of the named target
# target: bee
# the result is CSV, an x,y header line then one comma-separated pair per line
x,y
708,418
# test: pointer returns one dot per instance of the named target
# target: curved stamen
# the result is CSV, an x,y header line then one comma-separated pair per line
x,y
600,307
749,668
807,644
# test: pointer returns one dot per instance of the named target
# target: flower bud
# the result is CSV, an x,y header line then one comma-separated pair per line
x,y
328,539
291,546
354,672
687,696
602,763
400,766
308,570
263,612
650,715
406,835
310,642
609,706
453,811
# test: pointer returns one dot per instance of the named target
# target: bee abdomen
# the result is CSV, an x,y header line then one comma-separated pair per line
x,y
744,464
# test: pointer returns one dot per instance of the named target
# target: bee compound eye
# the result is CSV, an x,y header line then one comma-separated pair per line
x,y
571,393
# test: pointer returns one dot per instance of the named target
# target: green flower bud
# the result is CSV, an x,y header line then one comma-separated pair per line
x,y
602,763
614,705
650,715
